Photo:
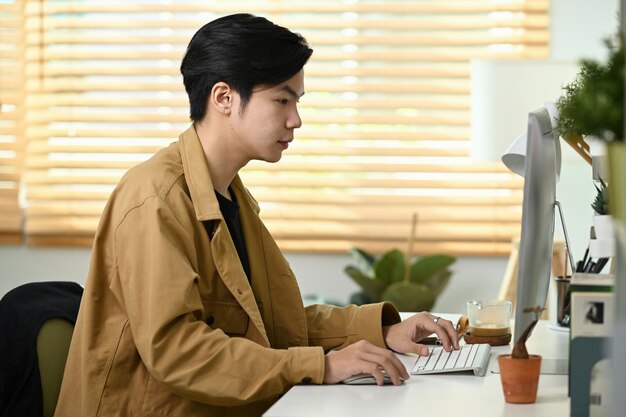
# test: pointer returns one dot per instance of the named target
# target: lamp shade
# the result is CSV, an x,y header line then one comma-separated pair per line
x,y
515,156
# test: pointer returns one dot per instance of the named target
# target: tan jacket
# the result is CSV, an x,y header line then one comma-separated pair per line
x,y
169,324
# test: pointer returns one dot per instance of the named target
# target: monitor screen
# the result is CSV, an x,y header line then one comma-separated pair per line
x,y
535,252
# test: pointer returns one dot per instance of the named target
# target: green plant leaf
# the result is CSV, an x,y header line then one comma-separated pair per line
x,y
600,204
593,103
372,287
426,266
438,281
390,267
408,296
364,260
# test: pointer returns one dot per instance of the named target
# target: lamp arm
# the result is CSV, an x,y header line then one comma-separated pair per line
x,y
579,145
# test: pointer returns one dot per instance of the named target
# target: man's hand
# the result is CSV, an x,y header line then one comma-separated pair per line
x,y
403,337
363,357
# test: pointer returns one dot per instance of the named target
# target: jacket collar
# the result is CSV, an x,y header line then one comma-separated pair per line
x,y
198,177
199,180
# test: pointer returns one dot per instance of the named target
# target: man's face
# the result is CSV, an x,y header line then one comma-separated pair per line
x,y
265,127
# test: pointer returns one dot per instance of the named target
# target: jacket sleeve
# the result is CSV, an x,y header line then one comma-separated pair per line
x,y
334,327
155,263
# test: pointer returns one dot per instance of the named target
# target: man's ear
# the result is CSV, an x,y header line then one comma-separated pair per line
x,y
221,98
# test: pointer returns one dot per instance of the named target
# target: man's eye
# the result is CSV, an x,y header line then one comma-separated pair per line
x,y
283,101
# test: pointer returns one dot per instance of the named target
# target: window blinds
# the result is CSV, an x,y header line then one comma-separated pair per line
x,y
386,117
11,112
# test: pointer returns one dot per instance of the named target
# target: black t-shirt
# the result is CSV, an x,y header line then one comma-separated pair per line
x,y
230,211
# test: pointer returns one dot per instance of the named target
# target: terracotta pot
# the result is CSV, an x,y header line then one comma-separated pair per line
x,y
520,378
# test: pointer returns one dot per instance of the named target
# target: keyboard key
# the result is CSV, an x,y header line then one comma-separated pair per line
x,y
443,358
472,354
421,362
465,351
454,356
472,357
432,360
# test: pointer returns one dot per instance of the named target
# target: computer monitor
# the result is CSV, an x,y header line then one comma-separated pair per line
x,y
535,251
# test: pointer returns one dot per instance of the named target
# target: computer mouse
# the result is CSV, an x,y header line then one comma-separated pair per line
x,y
367,379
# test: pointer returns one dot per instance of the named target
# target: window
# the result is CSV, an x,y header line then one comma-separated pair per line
x,y
386,117
11,112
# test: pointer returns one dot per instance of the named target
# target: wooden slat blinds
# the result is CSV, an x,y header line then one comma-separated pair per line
x,y
386,117
11,110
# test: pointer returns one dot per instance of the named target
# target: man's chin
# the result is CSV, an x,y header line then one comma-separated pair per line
x,y
273,159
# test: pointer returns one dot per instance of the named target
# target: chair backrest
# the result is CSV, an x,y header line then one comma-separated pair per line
x,y
53,343
36,325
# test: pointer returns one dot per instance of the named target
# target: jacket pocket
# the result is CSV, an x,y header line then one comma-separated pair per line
x,y
227,316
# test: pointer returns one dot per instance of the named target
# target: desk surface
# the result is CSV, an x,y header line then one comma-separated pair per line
x,y
443,395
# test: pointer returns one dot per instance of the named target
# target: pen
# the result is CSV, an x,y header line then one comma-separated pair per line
x,y
589,265
585,257
579,266
600,265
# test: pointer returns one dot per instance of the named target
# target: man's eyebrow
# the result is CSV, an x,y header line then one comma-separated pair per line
x,y
291,92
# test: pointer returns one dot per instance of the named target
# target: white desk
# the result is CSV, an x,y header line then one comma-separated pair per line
x,y
441,395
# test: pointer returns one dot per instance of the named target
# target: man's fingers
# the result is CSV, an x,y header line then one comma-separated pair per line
x,y
421,350
410,346
387,361
364,357
446,333
376,362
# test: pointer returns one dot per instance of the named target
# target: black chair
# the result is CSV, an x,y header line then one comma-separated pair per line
x,y
36,324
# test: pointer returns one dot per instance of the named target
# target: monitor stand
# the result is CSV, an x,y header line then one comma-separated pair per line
x,y
559,366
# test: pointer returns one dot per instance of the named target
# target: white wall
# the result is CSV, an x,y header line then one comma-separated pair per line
x,y
578,27
317,274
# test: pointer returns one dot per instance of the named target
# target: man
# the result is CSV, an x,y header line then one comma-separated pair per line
x,y
189,308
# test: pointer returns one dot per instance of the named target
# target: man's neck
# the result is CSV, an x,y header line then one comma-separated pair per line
x,y
216,145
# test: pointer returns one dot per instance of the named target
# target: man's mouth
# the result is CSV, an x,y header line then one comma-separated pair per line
x,y
284,143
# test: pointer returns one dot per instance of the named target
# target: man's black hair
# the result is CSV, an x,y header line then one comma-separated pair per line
x,y
243,51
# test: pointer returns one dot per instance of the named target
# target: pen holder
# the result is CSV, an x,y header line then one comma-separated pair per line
x,y
562,300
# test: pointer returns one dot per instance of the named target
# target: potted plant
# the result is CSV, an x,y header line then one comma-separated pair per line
x,y
602,223
410,284
593,103
519,371
600,204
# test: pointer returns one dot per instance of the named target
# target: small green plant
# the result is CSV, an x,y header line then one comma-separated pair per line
x,y
410,284
593,103
600,204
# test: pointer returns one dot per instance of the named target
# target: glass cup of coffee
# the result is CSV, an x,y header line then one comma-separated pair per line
x,y
489,318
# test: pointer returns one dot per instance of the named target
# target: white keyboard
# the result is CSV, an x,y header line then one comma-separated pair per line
x,y
473,358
